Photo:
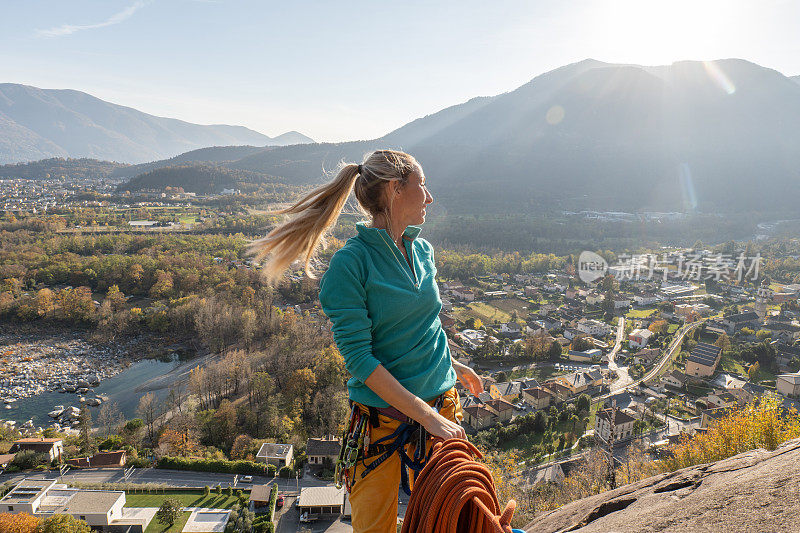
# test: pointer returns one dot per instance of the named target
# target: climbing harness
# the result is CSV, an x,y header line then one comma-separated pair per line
x,y
455,493
356,445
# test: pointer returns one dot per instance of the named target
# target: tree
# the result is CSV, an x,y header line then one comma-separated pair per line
x,y
169,512
44,302
723,341
87,443
63,523
148,412
18,523
583,403
752,372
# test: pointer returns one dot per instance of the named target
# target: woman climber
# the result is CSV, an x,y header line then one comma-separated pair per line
x,y
380,294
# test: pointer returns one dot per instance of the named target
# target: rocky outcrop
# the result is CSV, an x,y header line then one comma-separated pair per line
x,y
757,491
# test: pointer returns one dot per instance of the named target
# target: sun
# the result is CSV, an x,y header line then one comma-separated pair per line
x,y
655,33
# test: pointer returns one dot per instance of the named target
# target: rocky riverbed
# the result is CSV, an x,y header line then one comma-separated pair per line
x,y
32,363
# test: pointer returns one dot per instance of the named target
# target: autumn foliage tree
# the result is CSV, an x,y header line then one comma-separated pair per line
x,y
18,523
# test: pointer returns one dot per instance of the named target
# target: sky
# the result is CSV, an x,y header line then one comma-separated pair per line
x,y
348,70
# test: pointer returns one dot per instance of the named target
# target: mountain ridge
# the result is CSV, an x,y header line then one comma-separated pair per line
x,y
40,123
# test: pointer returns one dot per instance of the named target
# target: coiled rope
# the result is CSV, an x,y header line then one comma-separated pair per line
x,y
455,493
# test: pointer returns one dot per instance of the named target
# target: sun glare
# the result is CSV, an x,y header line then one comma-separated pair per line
x,y
650,33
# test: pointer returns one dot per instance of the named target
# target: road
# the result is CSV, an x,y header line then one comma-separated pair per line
x,y
172,478
623,378
674,345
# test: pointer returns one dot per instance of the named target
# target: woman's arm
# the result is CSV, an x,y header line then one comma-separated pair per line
x,y
392,392
468,377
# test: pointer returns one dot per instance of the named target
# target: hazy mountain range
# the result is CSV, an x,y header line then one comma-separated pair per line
x,y
41,123
718,136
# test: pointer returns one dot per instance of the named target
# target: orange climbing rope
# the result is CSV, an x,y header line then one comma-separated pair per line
x,y
455,493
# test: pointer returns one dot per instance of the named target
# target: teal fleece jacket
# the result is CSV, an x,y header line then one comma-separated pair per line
x,y
385,313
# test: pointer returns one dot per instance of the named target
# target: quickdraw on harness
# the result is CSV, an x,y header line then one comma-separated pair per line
x,y
357,447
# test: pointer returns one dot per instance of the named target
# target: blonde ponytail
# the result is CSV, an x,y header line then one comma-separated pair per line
x,y
300,236
319,210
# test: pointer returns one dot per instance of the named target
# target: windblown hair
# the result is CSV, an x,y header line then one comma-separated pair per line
x,y
318,211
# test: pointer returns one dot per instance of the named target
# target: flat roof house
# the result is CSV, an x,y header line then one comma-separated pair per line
x,y
789,384
321,501
279,455
103,510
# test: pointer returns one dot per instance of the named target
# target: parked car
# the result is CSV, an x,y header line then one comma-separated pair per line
x,y
247,479
279,502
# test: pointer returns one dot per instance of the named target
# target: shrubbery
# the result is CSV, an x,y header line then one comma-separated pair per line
x,y
217,465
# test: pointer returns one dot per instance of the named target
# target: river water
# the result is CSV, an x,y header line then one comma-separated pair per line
x,y
125,389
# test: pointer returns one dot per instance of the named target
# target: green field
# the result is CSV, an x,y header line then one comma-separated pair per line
x,y
640,313
177,527
509,305
188,498
482,311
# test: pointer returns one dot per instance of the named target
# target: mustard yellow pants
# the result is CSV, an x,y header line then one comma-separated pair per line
x,y
373,498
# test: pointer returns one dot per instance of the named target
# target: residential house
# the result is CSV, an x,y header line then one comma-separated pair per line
x,y
594,298
479,417
5,460
577,382
54,448
531,292
557,390
734,323
547,474
709,416
510,329
279,455
537,397
463,294
789,384
676,379
103,510
703,360
606,419
571,333
621,303
472,338
646,299
586,356
646,356
508,390
325,501
317,450
594,327
503,409
111,459
639,338
785,353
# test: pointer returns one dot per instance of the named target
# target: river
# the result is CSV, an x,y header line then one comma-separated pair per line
x,y
125,389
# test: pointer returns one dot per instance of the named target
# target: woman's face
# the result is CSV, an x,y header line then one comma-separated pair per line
x,y
411,200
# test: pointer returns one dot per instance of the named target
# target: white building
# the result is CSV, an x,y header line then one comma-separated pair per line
x,y
622,422
646,299
279,455
789,384
594,327
639,338
103,510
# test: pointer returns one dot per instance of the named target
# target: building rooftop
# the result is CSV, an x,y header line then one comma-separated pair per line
x,y
27,491
705,354
269,449
320,497
323,447
91,502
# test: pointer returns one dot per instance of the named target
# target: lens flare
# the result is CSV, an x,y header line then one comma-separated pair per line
x,y
687,188
719,77
555,115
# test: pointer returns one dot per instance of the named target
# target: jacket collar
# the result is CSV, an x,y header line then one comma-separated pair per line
x,y
376,235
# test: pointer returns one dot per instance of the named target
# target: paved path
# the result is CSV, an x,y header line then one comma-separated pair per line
x,y
623,378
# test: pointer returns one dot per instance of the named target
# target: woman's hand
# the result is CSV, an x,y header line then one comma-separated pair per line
x,y
439,426
468,378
